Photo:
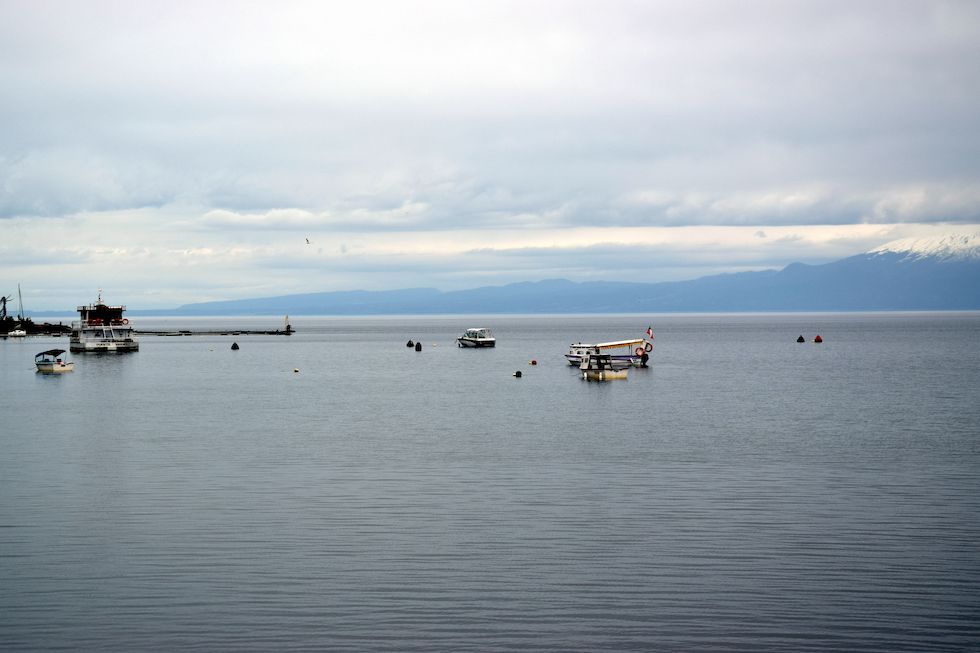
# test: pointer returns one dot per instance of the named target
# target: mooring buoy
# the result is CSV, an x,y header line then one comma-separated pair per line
x,y
418,346
234,346
409,344
518,374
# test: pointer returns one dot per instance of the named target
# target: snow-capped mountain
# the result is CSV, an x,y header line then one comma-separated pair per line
x,y
951,247
916,274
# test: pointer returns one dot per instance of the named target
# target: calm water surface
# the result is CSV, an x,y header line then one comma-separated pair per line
x,y
745,493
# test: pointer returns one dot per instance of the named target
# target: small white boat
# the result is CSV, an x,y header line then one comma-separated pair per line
x,y
51,362
630,351
477,337
603,367
17,333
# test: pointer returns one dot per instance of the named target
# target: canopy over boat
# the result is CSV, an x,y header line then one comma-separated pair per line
x,y
51,352
618,343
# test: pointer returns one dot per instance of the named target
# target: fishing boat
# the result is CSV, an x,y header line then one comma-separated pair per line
x,y
476,337
51,362
102,328
603,367
629,351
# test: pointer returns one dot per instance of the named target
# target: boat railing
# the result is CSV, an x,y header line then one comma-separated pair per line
x,y
98,324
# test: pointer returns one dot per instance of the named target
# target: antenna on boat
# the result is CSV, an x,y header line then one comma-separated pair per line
x,y
100,296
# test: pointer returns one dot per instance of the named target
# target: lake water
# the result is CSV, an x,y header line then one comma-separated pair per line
x,y
744,493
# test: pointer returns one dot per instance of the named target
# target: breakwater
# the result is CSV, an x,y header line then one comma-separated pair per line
x,y
218,332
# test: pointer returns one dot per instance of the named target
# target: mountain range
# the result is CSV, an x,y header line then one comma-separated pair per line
x,y
913,274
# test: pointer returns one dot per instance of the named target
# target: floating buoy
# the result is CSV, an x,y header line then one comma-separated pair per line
x,y
412,344
801,339
533,362
518,374
818,339
234,346
418,346
295,370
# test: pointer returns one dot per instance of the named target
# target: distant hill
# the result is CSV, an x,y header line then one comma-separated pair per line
x,y
923,274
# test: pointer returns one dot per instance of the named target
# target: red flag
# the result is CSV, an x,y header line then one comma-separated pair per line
x,y
650,331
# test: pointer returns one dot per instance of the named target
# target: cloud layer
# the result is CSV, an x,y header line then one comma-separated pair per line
x,y
505,135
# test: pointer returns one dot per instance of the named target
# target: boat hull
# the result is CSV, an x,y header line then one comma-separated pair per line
x,y
107,347
471,343
604,375
55,368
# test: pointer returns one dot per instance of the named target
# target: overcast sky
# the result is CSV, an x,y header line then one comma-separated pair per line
x,y
173,152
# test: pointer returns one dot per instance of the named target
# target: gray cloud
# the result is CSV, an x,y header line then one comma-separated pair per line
x,y
389,117
590,103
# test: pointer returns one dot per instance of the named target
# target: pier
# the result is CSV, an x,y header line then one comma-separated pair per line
x,y
219,332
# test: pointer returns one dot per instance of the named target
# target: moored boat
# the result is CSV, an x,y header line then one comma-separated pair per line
x,y
102,328
628,351
51,362
603,367
477,337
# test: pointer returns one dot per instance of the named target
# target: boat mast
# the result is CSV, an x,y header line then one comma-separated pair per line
x,y
20,303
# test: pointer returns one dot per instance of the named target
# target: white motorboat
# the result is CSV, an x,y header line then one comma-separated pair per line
x,y
17,333
629,351
51,362
602,367
477,337
102,328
